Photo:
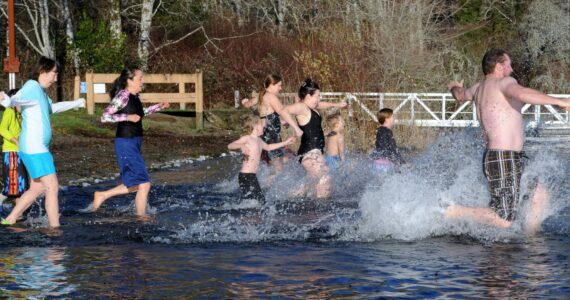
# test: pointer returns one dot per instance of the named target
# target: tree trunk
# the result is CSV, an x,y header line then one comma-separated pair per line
x,y
115,18
70,36
144,39
45,42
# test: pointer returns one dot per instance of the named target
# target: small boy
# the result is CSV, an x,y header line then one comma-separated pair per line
x,y
334,148
386,153
251,146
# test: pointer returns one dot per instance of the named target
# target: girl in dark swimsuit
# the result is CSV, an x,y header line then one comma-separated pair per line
x,y
272,110
313,139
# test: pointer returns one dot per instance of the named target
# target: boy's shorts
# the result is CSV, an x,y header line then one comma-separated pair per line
x,y
38,165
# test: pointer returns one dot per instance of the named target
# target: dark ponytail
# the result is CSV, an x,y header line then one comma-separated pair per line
x,y
269,80
308,87
121,82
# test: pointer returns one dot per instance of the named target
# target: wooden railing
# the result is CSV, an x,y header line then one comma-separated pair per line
x,y
98,86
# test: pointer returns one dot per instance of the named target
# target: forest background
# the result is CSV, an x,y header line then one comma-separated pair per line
x,y
347,45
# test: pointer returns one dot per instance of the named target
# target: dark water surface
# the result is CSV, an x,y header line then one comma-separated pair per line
x,y
377,237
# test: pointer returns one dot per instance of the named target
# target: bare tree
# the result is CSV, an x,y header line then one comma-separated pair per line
x,y
33,23
115,18
69,33
145,26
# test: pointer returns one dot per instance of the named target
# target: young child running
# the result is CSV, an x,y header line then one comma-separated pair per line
x,y
251,146
386,154
127,111
15,175
35,139
334,147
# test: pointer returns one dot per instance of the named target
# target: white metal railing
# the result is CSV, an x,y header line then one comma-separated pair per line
x,y
438,109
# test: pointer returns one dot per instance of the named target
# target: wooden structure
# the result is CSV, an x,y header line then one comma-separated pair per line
x,y
183,97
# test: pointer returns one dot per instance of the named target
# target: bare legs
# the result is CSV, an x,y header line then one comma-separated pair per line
x,y
316,168
47,184
141,198
534,217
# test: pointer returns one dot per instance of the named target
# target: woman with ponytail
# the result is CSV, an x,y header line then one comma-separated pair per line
x,y
127,111
313,139
272,110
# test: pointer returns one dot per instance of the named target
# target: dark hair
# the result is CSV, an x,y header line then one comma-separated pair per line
x,y
12,92
308,87
384,114
491,58
121,82
269,80
45,65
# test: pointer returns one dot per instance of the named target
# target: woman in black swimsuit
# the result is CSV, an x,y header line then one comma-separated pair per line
x,y
272,110
313,139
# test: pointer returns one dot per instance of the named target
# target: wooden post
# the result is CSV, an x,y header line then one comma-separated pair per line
x,y
90,93
76,87
182,90
199,101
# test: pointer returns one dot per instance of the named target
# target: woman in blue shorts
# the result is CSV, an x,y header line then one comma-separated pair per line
x,y
127,111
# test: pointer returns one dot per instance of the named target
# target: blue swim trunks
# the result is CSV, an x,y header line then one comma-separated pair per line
x,y
130,160
333,161
38,165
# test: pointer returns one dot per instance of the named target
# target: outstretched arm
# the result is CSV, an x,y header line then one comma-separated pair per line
x,y
513,90
67,105
237,144
269,147
117,103
284,114
322,104
461,93
156,108
15,100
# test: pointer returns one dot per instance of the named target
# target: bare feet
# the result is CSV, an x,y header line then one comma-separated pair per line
x,y
98,199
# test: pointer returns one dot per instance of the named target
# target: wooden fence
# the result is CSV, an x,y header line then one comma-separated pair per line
x,y
98,85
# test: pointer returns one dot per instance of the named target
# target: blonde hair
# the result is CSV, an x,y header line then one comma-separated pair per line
x,y
333,119
249,123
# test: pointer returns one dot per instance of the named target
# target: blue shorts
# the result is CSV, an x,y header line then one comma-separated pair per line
x,y
131,162
38,165
333,161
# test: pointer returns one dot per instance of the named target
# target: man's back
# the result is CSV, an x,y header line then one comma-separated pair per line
x,y
500,117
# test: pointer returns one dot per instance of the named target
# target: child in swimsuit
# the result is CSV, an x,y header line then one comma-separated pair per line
x,y
386,154
334,147
251,145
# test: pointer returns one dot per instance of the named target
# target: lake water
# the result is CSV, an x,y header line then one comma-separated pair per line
x,y
377,237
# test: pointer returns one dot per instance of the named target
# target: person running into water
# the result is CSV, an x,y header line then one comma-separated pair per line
x,y
499,100
127,111
251,146
386,154
272,111
15,175
35,138
313,138
334,147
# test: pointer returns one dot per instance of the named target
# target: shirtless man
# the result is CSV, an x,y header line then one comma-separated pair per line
x,y
499,100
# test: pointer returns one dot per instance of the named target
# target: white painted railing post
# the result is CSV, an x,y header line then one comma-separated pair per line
x,y
413,106
381,101
537,114
443,104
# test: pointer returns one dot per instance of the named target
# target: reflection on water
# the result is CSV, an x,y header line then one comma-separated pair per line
x,y
378,237
34,273
430,268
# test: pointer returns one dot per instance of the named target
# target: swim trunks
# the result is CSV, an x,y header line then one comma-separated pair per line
x,y
383,166
503,170
333,161
130,160
249,187
38,165
15,175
